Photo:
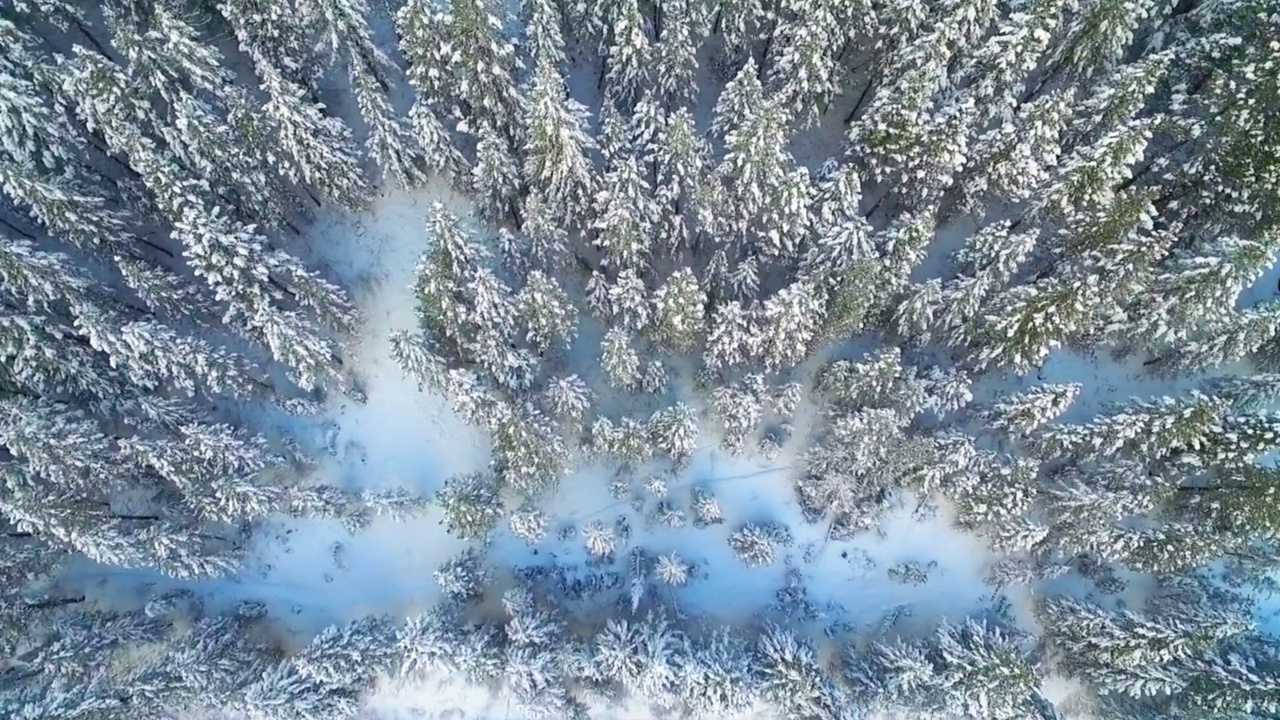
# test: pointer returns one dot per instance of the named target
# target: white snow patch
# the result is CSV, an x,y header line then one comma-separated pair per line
x,y
312,573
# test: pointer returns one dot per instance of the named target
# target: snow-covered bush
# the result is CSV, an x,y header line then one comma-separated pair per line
x,y
757,545
706,510
671,569
599,539
529,524
470,504
462,577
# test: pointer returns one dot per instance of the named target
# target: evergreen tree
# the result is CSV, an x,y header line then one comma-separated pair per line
x,y
619,360
1133,654
985,672
706,510
625,214
672,570
547,311
681,27
390,142
680,157
468,62
719,678
318,148
599,539
675,431
470,504
222,475
732,337
626,46
462,577
756,195
789,323
544,25
1024,412
557,151
678,312
1198,288
567,399
756,545
805,71
495,176
792,679
739,409
529,524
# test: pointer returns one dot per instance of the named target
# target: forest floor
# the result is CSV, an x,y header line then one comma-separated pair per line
x,y
311,573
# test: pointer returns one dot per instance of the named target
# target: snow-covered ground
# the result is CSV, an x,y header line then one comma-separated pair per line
x,y
401,437
312,573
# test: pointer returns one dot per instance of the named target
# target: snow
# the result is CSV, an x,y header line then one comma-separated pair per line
x,y
311,573
398,437
721,587
401,437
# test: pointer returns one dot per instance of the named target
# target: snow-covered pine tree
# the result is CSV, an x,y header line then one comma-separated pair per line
x,y
390,142
732,336
756,196
678,316
675,432
1131,653
529,524
599,539
739,409
495,176
806,70
671,569
985,672
680,29
680,158
625,213
757,545
222,475
318,148
619,359
462,577
718,677
1022,413
626,46
557,161
706,510
470,503
792,679
469,62
547,311
544,27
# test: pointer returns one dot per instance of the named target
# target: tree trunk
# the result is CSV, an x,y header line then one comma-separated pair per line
x,y
514,209
876,206
311,195
764,57
858,105
1215,488
58,602
97,45
17,229
163,250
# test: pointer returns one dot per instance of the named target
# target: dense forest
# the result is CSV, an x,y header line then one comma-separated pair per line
x,y
826,232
